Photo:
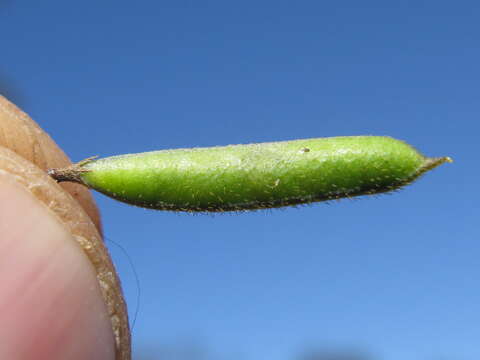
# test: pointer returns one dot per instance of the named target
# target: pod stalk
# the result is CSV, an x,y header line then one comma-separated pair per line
x,y
72,173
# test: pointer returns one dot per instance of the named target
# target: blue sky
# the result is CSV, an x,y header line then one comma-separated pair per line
x,y
394,276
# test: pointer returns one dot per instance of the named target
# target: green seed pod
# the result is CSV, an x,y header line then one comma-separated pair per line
x,y
254,176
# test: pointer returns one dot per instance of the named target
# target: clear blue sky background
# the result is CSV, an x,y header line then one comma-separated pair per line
x,y
396,276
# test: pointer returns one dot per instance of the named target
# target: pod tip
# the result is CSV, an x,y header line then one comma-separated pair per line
x,y
431,163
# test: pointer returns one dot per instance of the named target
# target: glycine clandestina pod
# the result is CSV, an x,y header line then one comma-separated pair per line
x,y
254,176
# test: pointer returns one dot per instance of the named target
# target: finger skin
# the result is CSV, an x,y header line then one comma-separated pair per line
x,y
27,152
50,302
22,135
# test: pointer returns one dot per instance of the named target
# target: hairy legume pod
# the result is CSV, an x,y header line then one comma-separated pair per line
x,y
254,176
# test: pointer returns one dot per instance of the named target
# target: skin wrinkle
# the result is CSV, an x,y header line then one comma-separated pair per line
x,y
67,212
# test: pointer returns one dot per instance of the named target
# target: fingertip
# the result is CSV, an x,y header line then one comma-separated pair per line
x,y
50,301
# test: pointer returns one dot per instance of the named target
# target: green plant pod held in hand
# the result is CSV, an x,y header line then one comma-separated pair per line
x,y
254,176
